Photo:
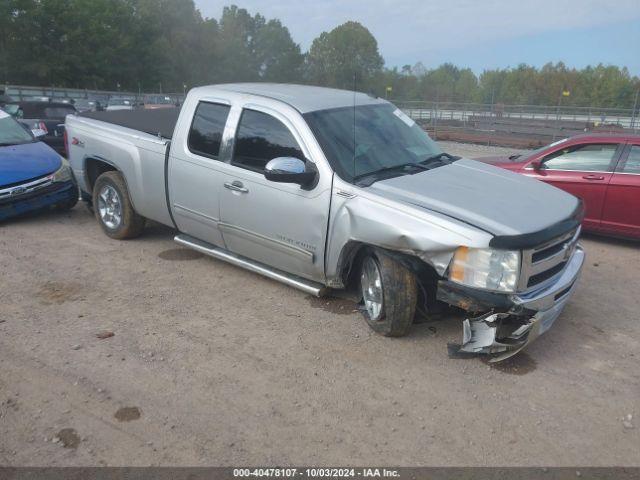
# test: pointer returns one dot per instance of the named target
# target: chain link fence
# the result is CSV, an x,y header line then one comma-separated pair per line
x,y
517,125
523,126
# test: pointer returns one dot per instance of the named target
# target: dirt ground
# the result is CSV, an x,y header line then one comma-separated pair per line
x,y
212,365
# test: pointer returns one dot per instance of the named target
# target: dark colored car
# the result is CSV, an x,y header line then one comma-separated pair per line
x,y
32,176
47,116
601,169
88,105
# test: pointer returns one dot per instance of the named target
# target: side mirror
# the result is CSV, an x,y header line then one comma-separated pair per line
x,y
291,170
536,165
38,132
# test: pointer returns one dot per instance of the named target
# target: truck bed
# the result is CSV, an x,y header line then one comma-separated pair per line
x,y
161,121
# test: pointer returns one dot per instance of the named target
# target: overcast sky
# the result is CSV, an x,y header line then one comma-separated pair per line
x,y
475,33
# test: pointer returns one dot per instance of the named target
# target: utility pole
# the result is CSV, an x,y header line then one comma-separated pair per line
x,y
634,115
564,92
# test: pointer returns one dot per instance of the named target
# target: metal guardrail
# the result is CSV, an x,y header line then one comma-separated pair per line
x,y
24,92
437,111
430,112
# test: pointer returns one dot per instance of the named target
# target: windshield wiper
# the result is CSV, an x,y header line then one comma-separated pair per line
x,y
12,144
438,157
384,170
513,157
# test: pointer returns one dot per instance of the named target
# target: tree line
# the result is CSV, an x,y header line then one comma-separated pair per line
x,y
167,45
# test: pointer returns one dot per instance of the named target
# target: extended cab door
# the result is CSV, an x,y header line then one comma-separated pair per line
x,y
278,224
194,178
621,212
583,170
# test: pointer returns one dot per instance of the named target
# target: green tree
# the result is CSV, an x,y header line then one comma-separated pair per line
x,y
337,56
153,44
277,56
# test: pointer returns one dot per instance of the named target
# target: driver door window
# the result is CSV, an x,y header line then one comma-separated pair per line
x,y
584,158
261,138
584,171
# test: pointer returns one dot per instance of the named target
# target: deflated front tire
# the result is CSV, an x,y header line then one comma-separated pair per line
x,y
389,294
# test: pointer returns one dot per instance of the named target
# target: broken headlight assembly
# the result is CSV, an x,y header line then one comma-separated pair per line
x,y
486,268
63,174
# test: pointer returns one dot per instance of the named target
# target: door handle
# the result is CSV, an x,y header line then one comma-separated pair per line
x,y
593,177
236,186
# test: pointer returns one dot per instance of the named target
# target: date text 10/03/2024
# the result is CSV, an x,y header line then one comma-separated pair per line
x,y
316,472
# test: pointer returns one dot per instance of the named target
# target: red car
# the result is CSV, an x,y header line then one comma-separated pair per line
x,y
602,169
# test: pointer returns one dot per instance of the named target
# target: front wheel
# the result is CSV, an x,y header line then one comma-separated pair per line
x,y
389,294
113,208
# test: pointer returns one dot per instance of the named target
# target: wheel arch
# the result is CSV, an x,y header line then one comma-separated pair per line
x,y
94,167
353,252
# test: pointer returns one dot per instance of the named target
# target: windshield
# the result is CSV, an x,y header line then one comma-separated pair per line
x,y
12,109
11,132
58,112
384,138
533,153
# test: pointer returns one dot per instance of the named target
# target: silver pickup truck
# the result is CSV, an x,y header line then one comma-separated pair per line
x,y
329,190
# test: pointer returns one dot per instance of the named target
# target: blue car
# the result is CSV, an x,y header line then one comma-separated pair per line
x,y
32,176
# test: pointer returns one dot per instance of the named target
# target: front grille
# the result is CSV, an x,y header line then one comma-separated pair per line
x,y
546,275
543,263
18,190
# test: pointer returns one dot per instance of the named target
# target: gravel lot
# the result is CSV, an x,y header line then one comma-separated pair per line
x,y
212,365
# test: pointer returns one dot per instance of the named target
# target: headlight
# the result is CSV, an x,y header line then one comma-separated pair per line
x,y
486,268
63,174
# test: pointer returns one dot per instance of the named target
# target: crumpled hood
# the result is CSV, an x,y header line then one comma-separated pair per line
x,y
488,197
19,163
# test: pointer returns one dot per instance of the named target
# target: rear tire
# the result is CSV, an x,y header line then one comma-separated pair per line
x,y
389,292
113,208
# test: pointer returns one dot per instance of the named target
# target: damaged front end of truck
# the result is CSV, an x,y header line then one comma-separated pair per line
x,y
501,324
511,274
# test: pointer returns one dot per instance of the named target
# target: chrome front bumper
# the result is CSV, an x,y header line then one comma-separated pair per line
x,y
532,314
549,297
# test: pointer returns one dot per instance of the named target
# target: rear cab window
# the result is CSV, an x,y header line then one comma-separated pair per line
x,y
591,157
261,138
205,135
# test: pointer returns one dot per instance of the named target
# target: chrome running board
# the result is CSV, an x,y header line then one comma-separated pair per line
x,y
307,286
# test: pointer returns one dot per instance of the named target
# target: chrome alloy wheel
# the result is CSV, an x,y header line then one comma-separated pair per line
x,y
110,207
371,282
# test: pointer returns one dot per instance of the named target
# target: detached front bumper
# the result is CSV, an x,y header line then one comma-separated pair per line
x,y
511,322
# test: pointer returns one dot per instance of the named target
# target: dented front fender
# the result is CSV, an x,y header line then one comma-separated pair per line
x,y
359,217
